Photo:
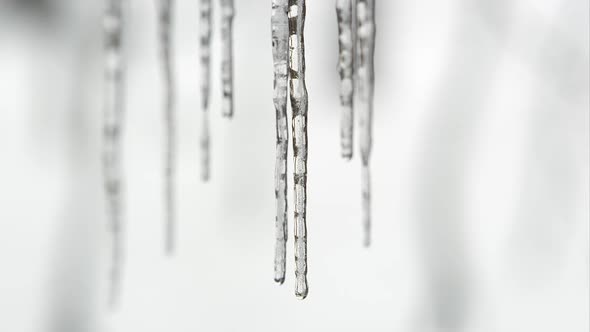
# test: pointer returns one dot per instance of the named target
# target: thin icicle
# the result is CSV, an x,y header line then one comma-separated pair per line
x,y
205,51
165,30
365,84
299,103
113,125
280,52
344,11
366,203
227,69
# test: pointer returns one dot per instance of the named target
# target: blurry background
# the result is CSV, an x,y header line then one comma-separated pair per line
x,y
481,158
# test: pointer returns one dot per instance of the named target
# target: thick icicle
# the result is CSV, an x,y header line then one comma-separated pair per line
x,y
365,84
299,103
165,30
227,65
280,52
205,51
113,125
344,13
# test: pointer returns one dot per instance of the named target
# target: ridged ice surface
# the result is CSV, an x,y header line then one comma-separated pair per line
x,y
280,53
299,103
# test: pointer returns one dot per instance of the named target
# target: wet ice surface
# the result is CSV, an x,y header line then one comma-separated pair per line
x,y
299,104
280,52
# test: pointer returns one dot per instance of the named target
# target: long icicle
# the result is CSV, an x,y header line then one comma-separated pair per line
x,y
227,65
365,83
165,30
346,32
299,103
205,53
280,52
113,126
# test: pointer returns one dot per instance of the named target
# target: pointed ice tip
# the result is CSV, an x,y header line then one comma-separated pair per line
x,y
301,290
301,296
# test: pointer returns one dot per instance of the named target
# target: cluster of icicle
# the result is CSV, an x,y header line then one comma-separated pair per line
x,y
356,29
113,112
165,9
356,46
287,24
227,102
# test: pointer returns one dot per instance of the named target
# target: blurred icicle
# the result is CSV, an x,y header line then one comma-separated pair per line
x,y
113,123
299,103
280,52
165,31
344,11
365,11
205,50
227,16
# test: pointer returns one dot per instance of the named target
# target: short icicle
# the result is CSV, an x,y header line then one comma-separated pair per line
x,y
227,65
112,131
205,54
365,84
299,104
346,32
280,52
165,31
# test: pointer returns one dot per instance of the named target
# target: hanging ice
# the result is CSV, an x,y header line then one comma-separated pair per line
x,y
113,125
227,16
205,51
165,32
299,103
280,52
344,13
365,84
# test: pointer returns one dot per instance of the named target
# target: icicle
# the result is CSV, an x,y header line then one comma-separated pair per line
x,y
366,203
280,52
344,11
227,16
113,123
299,103
205,50
165,27
365,84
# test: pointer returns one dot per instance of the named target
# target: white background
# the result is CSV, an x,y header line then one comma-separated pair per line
x,y
480,175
